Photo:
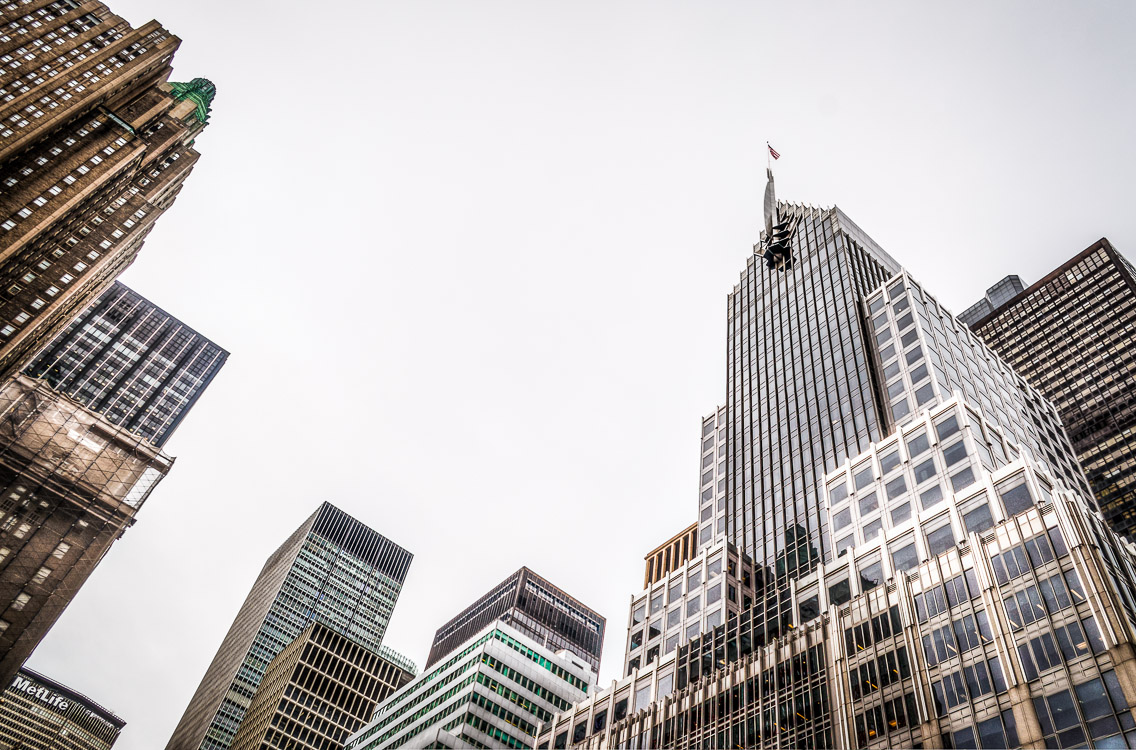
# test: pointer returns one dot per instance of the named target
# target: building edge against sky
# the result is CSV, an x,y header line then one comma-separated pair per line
x,y
952,561
333,569
1071,335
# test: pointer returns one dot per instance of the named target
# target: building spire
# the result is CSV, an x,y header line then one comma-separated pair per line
x,y
200,91
770,204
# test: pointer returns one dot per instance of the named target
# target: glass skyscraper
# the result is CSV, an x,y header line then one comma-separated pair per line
x,y
333,570
930,567
134,363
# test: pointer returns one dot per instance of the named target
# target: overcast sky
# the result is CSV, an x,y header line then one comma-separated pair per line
x,y
471,260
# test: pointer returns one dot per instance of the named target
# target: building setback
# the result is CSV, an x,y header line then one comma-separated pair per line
x,y
931,569
493,690
333,570
38,712
1071,335
132,362
321,688
95,144
537,608
70,484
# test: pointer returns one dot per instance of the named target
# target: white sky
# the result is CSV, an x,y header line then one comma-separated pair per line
x,y
472,259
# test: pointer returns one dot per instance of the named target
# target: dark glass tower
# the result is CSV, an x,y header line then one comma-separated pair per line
x,y
132,362
802,395
332,570
1070,336
538,609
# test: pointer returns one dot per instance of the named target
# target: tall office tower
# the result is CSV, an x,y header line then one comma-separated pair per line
x,y
319,690
712,483
332,570
492,690
71,483
996,296
941,577
132,362
94,146
36,711
537,608
1071,335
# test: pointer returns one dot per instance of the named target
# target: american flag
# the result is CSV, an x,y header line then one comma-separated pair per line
x,y
773,153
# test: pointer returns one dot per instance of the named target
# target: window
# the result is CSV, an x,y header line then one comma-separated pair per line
x,y
947,427
638,614
955,453
962,479
889,461
1015,495
940,540
918,445
925,471
930,496
841,519
839,593
657,602
896,487
978,520
900,513
41,575
693,605
655,629
61,550
871,575
837,492
904,558
21,601
642,698
868,504
636,639
863,476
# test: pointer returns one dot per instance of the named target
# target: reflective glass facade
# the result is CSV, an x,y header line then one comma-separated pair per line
x,y
132,362
333,570
930,568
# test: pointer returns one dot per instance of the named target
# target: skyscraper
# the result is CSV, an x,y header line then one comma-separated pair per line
x,y
1070,335
94,146
70,484
333,570
930,567
132,362
36,711
534,606
320,689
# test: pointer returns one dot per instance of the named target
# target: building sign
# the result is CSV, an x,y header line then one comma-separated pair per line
x,y
23,685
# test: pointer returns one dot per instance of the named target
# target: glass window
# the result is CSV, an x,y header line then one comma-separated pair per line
x,y
714,569
925,471
810,609
931,495
954,453
889,461
642,698
837,492
872,529
887,353
638,614
672,643
904,558
871,575
1015,495
962,479
657,603
900,514
947,427
918,445
655,629
693,605
692,631
940,540
924,394
636,639
896,488
713,594
839,593
694,580
900,409
844,545
675,591
868,504
978,520
674,617
915,354
863,476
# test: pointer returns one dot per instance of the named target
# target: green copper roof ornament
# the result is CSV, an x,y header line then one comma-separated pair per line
x,y
200,90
